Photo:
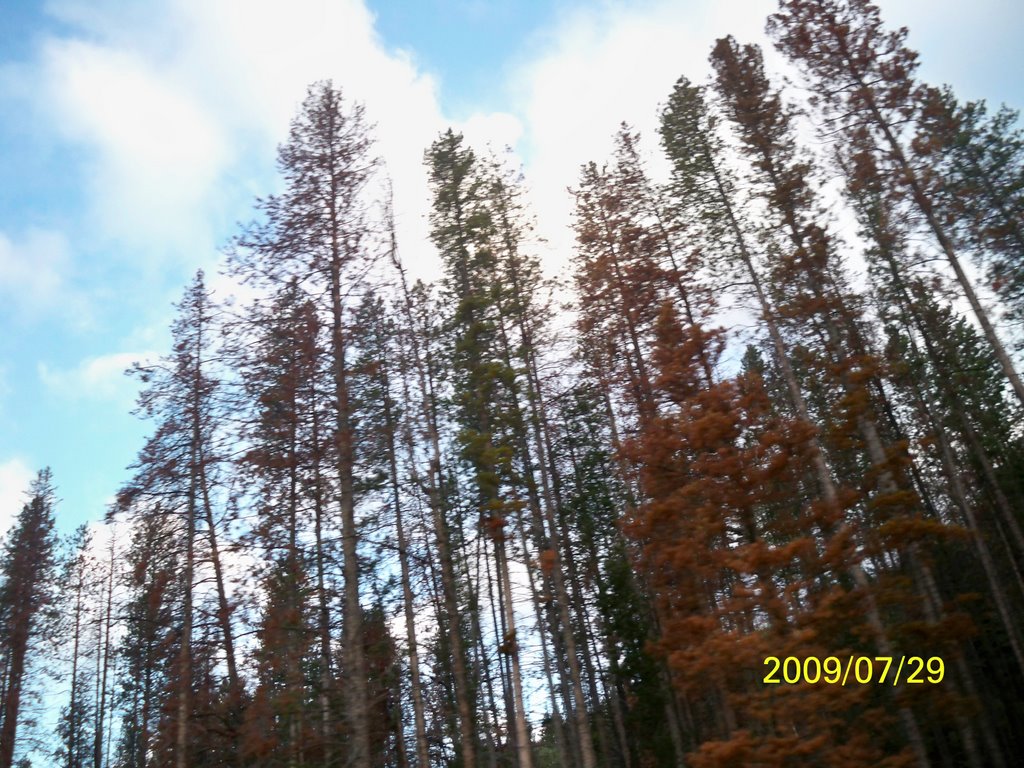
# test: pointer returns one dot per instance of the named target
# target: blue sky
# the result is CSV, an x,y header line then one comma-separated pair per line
x,y
134,137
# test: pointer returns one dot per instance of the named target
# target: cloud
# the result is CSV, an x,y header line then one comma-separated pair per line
x,y
180,109
15,477
598,66
155,152
499,129
99,377
35,268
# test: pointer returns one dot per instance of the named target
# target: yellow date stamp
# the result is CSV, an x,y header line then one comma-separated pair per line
x,y
862,670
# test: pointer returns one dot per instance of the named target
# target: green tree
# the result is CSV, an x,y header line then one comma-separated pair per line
x,y
463,231
26,592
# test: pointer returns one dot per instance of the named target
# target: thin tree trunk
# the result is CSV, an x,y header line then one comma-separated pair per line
x,y
12,700
323,602
422,364
356,690
408,601
223,607
72,745
98,747
528,355
556,716
491,726
523,745
185,648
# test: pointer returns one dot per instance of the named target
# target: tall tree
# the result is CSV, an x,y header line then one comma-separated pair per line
x,y
419,327
26,589
706,184
317,232
177,476
730,547
72,728
282,370
383,346
813,292
863,76
979,162
463,229
147,649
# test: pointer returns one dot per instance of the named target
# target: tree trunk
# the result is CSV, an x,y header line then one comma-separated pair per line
x,y
423,367
98,746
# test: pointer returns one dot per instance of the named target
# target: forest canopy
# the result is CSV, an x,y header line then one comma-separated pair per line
x,y
501,519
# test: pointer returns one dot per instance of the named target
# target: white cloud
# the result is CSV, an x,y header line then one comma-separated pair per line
x,y
499,129
156,153
601,65
99,377
34,275
181,108
15,477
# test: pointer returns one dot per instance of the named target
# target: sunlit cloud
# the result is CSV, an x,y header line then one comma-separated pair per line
x,y
101,377
15,477
35,277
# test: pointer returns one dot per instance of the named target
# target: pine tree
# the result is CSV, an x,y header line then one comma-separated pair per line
x,y
420,331
76,750
316,232
463,228
979,160
26,591
814,293
282,374
177,476
386,364
147,650
706,184
863,76
632,691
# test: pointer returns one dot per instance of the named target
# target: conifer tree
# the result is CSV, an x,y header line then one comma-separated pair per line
x,y
863,77
283,375
26,591
386,363
420,331
729,549
147,650
705,183
316,232
979,160
814,292
630,261
618,282
177,476
463,230
73,727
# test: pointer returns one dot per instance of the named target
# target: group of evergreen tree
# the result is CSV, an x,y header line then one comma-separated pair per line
x,y
389,524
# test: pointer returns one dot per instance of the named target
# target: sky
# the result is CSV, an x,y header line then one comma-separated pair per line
x,y
135,138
